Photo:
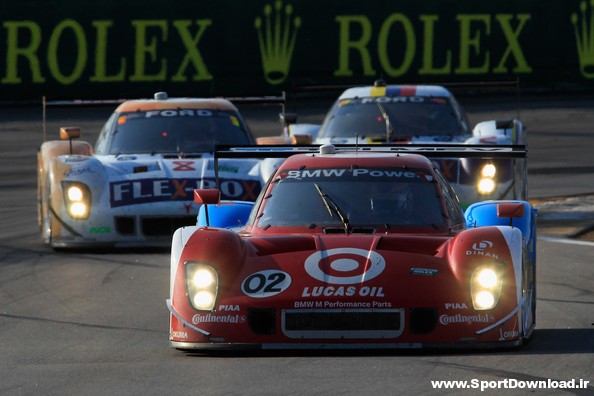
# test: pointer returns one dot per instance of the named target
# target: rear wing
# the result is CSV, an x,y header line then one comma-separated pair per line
x,y
484,151
472,86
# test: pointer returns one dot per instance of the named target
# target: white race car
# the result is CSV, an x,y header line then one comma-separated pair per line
x,y
425,114
136,186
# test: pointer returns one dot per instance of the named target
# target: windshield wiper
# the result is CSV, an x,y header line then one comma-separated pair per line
x,y
332,208
386,117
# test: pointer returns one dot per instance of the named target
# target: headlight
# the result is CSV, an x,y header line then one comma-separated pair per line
x,y
486,183
488,170
203,285
77,199
487,278
485,287
485,186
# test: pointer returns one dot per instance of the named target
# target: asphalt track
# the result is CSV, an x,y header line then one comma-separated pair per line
x,y
83,323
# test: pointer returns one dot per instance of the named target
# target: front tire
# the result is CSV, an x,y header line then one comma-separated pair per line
x,y
45,216
529,295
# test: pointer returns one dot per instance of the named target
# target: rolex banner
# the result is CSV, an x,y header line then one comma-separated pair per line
x,y
125,49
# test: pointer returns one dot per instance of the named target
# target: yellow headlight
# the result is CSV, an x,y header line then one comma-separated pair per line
x,y
485,286
75,193
77,199
203,299
485,186
487,278
484,300
488,170
203,278
78,210
202,283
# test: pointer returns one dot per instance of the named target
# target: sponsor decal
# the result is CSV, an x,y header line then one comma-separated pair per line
x,y
233,308
78,171
179,334
212,318
357,172
178,113
133,192
342,304
74,158
184,165
345,266
459,318
423,271
100,230
228,169
266,283
223,168
395,99
331,291
506,335
482,245
455,306
482,248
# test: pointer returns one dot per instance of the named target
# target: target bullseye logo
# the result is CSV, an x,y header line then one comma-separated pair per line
x,y
345,266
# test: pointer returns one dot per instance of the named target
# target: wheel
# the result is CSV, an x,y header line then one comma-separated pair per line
x,y
529,295
45,216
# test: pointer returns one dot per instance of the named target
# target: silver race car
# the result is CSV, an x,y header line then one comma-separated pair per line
x,y
135,187
425,114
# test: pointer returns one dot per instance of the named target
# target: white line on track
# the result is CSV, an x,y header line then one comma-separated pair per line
x,y
566,240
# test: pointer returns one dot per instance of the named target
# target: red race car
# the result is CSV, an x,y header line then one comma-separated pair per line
x,y
360,247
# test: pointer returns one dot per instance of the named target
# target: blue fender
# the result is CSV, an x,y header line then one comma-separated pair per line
x,y
228,214
485,213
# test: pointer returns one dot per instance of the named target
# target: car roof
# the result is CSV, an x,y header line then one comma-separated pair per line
x,y
395,90
176,103
360,159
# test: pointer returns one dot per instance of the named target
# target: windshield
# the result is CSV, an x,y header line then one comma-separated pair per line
x,y
358,197
188,131
408,116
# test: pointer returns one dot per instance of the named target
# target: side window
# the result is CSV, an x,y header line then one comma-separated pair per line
x,y
103,139
461,114
450,198
252,218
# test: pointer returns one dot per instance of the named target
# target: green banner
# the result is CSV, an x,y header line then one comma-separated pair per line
x,y
114,49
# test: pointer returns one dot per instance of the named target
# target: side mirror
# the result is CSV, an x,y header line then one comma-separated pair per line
x,y
301,139
206,197
288,118
69,133
511,211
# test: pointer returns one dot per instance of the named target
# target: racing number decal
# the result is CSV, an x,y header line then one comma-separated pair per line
x,y
345,266
265,283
